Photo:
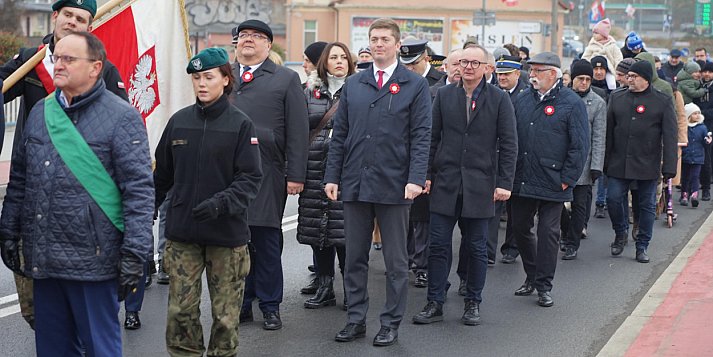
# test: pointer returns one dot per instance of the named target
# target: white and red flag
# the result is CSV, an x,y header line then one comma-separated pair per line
x,y
147,41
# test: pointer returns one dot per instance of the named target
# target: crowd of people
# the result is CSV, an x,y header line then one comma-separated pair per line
x,y
389,147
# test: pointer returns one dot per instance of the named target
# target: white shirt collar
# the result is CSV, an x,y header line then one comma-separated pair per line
x,y
543,95
63,99
388,71
428,68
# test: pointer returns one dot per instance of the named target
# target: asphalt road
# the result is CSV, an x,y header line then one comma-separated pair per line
x,y
592,295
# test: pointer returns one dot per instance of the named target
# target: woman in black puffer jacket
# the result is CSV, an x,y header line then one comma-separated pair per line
x,y
321,221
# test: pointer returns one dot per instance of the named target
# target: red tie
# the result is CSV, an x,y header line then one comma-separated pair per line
x,y
380,82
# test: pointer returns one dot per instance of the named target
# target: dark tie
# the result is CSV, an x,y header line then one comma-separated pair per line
x,y
245,69
380,82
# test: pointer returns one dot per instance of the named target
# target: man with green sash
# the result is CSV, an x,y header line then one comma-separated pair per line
x,y
80,205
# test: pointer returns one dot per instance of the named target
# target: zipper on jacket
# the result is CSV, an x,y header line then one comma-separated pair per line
x,y
198,168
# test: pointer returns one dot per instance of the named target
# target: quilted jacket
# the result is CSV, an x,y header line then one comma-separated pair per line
x,y
64,233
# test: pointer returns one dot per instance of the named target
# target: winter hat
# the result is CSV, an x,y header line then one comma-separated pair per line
x,y
634,42
314,51
708,67
691,67
643,69
600,61
624,65
691,108
582,68
602,27
526,50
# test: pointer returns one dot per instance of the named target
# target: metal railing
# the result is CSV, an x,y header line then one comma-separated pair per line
x,y
11,110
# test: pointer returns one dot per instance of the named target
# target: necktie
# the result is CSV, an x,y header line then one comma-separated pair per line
x,y
245,69
380,82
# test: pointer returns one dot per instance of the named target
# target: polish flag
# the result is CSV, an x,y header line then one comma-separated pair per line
x,y
598,11
147,41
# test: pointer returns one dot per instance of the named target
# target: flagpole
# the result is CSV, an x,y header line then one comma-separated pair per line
x,y
186,35
37,58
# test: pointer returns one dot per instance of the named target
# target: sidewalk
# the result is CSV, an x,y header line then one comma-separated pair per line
x,y
674,317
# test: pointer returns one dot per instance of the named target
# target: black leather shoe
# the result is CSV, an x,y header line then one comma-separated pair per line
x,y
386,336
421,280
246,316
545,299
642,256
618,246
461,288
351,332
569,254
599,212
491,262
508,259
471,313
432,312
272,320
706,195
526,289
311,288
132,321
162,276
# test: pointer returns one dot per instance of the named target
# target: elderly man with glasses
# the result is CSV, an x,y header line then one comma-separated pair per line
x,y
553,141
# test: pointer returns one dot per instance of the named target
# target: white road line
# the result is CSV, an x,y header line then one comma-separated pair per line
x,y
288,224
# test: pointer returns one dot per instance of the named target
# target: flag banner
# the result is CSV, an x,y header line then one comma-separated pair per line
x,y
597,12
146,40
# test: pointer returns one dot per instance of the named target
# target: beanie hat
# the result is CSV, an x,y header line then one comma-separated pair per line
x,y
526,50
582,68
708,67
207,59
634,42
314,51
600,61
643,69
89,5
602,27
691,67
624,65
691,108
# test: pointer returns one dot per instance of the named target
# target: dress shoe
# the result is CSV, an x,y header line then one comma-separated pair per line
x,y
570,254
508,259
132,321
351,332
618,246
324,295
246,316
462,288
491,261
421,280
642,256
432,312
706,195
526,289
545,299
471,313
162,276
599,212
386,336
311,288
272,320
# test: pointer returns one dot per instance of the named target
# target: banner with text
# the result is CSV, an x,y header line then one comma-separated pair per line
x,y
425,29
504,32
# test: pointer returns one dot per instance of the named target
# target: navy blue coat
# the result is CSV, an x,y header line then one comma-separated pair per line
x,y
694,152
552,148
381,139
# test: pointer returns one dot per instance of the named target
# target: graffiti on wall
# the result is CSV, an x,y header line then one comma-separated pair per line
x,y
227,12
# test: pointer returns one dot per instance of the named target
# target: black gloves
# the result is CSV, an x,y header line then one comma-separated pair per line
x,y
594,174
10,251
207,210
131,269
668,176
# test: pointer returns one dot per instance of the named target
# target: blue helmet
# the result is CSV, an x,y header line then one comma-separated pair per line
x,y
634,42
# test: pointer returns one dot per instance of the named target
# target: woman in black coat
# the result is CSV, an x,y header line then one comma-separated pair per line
x,y
321,221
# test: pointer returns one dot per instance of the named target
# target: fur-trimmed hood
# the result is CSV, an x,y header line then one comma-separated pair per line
x,y
313,81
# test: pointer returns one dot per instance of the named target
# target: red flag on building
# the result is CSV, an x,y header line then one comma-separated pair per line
x,y
147,40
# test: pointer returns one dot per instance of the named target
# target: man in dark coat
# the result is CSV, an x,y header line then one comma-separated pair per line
x,y
553,141
673,65
706,104
638,121
272,97
378,157
414,56
68,16
472,163
453,71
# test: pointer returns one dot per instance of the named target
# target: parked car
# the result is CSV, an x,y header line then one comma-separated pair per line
x,y
572,48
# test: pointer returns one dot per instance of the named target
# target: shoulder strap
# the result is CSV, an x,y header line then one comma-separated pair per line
x,y
83,162
325,119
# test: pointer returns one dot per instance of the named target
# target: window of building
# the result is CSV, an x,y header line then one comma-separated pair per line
x,y
310,33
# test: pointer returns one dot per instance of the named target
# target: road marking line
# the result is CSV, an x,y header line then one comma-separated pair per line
x,y
9,310
8,299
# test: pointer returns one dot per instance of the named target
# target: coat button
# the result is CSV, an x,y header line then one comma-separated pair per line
x,y
35,269
466,134
47,163
525,153
240,92
368,136
553,165
371,106
531,123
39,216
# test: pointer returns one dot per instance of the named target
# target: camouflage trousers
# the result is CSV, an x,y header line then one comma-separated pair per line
x,y
226,269
24,295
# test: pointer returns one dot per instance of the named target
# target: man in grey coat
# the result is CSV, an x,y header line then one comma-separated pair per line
x,y
272,97
378,158
575,221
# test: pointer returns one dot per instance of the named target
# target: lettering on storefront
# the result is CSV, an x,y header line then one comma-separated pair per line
x,y
227,12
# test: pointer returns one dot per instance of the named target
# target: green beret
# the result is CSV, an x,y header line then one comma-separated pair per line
x,y
89,5
207,59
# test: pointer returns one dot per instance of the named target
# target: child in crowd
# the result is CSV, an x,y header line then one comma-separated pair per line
x,y
689,82
602,44
693,155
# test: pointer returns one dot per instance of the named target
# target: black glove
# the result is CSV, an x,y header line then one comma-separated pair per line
x,y
668,176
594,174
10,251
206,210
131,269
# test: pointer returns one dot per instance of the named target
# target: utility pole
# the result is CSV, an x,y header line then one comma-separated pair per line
x,y
554,33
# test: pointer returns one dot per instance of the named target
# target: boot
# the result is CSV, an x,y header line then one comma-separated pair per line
x,y
162,276
311,288
324,295
706,195
618,246
599,212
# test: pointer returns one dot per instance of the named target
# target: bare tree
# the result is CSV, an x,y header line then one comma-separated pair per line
x,y
10,13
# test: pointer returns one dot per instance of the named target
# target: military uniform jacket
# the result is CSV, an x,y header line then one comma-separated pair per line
x,y
519,88
465,154
433,76
381,139
637,126
275,103
208,153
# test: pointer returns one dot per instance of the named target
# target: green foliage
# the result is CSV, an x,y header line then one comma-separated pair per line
x,y
277,48
9,46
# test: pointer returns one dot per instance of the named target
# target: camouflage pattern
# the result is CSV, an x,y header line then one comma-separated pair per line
x,y
24,295
226,269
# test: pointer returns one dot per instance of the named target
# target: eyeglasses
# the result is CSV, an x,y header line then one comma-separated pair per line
x,y
69,59
474,63
540,70
632,76
255,36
